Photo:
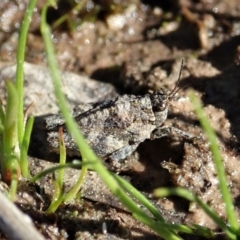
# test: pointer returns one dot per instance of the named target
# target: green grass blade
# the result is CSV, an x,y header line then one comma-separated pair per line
x,y
140,197
206,125
65,17
192,229
10,136
184,193
9,146
55,168
203,231
2,116
161,230
57,197
14,181
63,155
20,60
76,188
24,148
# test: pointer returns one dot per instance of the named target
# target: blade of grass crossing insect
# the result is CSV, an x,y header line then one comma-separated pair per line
x,y
85,150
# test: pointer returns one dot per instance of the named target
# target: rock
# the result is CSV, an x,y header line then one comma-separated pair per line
x,y
38,88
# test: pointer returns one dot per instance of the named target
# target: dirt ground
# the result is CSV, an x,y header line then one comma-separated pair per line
x,y
134,47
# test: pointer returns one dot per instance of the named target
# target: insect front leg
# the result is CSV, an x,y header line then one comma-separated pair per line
x,y
168,131
123,152
116,160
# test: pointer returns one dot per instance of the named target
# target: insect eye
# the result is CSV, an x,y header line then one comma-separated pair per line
x,y
162,106
159,106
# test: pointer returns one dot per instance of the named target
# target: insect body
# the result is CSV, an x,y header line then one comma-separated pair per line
x,y
114,128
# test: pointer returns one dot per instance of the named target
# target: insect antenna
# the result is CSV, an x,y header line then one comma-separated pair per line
x,y
176,89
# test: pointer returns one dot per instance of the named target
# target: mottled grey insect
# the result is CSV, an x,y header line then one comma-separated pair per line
x,y
114,128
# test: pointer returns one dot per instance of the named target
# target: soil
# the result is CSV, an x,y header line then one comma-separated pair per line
x,y
135,47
